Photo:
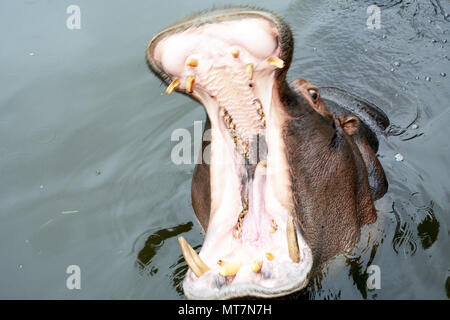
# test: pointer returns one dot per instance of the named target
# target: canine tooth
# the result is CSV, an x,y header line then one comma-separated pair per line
x,y
249,69
172,86
269,256
229,268
277,62
193,260
190,81
192,62
273,226
257,265
235,53
292,240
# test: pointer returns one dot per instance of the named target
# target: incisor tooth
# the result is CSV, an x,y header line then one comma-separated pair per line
x,y
192,62
229,268
172,86
292,241
190,81
257,265
249,69
277,62
235,53
193,260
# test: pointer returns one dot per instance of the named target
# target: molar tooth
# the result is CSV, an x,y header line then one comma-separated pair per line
x,y
263,163
273,226
190,81
193,260
277,62
249,69
235,53
172,86
292,241
269,256
257,265
229,268
192,62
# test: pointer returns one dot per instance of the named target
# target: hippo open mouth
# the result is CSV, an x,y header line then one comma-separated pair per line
x,y
291,177
229,61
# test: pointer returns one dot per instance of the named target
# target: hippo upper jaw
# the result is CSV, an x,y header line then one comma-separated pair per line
x,y
234,62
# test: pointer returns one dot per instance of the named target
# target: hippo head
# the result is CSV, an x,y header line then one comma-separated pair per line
x,y
285,188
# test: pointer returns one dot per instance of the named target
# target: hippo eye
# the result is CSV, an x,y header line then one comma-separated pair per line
x,y
314,94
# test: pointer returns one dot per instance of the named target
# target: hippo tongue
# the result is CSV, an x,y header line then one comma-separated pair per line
x,y
252,246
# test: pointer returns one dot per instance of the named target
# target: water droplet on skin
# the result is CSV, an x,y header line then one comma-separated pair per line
x,y
417,78
384,36
98,172
444,41
428,78
433,40
397,64
41,187
20,266
392,69
314,49
414,126
398,157
443,74
31,54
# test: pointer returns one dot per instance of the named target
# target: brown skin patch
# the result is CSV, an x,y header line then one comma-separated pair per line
x,y
330,187
351,126
307,90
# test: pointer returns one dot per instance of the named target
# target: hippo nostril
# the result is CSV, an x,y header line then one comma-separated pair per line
x,y
266,274
220,281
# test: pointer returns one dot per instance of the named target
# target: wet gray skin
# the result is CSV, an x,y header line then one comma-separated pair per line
x,y
86,175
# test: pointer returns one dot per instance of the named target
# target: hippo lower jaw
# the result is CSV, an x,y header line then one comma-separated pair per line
x,y
230,63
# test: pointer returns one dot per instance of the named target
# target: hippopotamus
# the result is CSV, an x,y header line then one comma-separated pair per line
x,y
293,173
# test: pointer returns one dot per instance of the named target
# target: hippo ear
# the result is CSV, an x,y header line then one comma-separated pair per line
x,y
350,124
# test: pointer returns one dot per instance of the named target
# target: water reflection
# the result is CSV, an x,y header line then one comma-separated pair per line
x,y
154,243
